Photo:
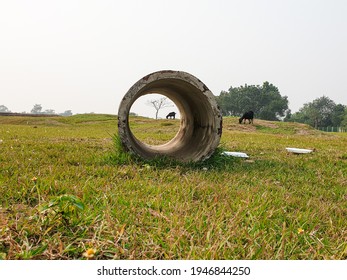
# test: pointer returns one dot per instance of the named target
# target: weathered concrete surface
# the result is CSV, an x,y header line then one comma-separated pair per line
x,y
201,120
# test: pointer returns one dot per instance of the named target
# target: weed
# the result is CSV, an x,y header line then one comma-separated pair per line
x,y
64,208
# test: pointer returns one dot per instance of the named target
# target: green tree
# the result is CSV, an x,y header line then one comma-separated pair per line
x,y
265,101
318,113
344,121
37,109
49,112
66,113
338,114
4,109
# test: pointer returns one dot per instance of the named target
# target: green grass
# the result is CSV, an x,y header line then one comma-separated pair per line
x,y
66,186
164,130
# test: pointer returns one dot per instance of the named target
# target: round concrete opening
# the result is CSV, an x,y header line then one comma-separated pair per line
x,y
200,123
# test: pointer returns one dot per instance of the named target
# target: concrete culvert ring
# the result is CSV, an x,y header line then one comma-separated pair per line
x,y
200,123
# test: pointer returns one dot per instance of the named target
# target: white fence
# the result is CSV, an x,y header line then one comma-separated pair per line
x,y
333,129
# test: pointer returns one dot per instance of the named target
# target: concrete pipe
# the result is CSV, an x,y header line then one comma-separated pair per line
x,y
201,120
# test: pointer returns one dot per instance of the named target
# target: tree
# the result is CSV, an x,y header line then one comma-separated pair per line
x,y
338,114
66,113
344,121
158,104
288,115
4,109
37,109
317,113
49,112
265,101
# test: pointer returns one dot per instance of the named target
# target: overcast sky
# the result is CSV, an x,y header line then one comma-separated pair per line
x,y
84,55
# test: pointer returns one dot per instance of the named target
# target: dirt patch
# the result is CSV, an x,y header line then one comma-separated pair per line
x,y
240,127
266,124
302,132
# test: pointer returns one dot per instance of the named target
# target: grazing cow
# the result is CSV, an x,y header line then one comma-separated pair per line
x,y
171,115
247,116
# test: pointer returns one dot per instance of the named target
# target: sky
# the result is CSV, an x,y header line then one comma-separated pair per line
x,y
85,55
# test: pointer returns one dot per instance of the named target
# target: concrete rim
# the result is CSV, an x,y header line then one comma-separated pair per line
x,y
201,119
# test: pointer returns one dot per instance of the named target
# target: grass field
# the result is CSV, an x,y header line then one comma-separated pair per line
x,y
68,192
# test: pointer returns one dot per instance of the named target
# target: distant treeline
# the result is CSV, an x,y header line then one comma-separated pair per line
x,y
267,103
36,111
27,114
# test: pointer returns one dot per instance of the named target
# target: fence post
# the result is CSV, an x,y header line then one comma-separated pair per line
x,y
332,129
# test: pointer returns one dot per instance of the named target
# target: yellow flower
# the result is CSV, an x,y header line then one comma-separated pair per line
x,y
300,231
34,179
89,253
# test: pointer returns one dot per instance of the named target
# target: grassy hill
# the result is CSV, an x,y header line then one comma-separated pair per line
x,y
65,188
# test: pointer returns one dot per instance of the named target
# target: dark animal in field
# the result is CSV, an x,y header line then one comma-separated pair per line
x,y
247,116
171,115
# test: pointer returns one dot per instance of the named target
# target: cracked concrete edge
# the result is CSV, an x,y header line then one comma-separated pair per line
x,y
201,119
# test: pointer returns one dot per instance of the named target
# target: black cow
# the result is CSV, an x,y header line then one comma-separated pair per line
x,y
171,115
247,116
